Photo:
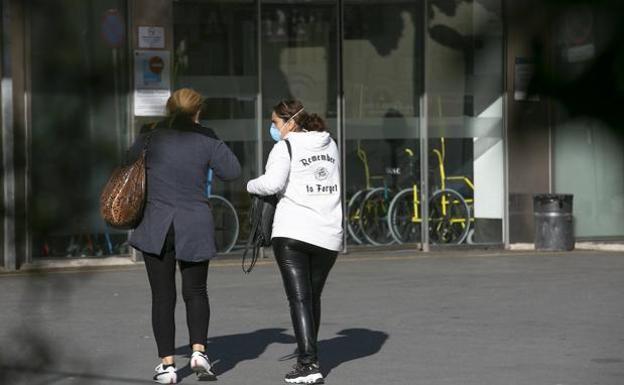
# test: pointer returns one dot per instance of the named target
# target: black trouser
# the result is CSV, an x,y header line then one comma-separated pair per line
x,y
161,273
304,269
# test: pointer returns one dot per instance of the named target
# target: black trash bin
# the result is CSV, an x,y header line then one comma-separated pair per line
x,y
554,226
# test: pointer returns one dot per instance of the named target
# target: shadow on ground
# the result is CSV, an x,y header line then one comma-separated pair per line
x,y
349,345
230,350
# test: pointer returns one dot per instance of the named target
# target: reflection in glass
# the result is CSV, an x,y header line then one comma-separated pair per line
x,y
465,75
588,156
383,81
299,58
216,54
78,131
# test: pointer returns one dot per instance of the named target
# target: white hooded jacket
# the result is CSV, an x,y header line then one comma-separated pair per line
x,y
310,209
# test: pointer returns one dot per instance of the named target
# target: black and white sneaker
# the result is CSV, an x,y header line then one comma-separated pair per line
x,y
304,374
200,364
165,375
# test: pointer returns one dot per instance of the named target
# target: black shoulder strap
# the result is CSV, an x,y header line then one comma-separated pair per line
x,y
149,136
255,241
145,151
250,242
289,148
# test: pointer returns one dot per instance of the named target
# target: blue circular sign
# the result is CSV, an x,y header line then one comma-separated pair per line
x,y
113,28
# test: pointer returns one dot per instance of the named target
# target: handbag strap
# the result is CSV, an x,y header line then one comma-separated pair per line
x,y
254,242
289,148
148,137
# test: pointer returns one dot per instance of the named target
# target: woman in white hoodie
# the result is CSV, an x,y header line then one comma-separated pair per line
x,y
307,228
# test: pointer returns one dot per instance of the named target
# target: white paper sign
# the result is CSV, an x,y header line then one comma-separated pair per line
x,y
151,37
150,102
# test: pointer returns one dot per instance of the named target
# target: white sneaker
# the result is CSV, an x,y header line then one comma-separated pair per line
x,y
165,376
200,364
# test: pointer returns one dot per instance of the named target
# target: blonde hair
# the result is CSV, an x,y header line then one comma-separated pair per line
x,y
184,101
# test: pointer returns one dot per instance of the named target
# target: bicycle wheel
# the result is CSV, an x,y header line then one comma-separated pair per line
x,y
404,223
225,223
353,216
449,217
374,216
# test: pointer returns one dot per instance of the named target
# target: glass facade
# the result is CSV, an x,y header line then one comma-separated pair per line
x,y
383,53
299,54
588,155
589,162
413,91
78,123
449,58
383,60
464,88
215,45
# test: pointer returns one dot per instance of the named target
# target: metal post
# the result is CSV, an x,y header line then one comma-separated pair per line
x,y
9,250
26,125
118,124
8,166
340,117
259,101
130,68
424,143
506,240
424,166
135,255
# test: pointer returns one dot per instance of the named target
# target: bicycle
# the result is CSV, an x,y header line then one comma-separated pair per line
x,y
225,219
450,216
368,208
355,203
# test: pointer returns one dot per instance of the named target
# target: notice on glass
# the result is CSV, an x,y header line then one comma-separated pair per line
x,y
524,70
150,102
152,37
152,82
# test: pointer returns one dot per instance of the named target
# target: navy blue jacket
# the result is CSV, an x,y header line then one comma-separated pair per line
x,y
179,155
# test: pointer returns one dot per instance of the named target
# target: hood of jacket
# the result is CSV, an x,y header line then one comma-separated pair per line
x,y
312,141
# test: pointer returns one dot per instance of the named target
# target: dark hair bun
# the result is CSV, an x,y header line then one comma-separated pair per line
x,y
314,122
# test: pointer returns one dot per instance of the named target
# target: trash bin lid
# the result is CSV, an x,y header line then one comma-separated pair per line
x,y
552,203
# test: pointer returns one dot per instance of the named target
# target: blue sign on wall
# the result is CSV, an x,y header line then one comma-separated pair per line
x,y
113,28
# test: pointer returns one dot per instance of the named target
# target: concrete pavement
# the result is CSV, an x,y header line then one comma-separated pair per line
x,y
396,317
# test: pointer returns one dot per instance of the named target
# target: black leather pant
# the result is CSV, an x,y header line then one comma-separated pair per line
x,y
304,269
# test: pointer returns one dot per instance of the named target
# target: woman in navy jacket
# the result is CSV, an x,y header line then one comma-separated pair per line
x,y
177,224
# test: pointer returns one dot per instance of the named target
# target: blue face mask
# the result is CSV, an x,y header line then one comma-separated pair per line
x,y
275,133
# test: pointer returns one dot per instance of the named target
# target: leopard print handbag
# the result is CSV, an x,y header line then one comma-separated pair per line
x,y
123,197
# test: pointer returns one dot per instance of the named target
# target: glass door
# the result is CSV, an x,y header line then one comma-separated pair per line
x,y
78,96
299,58
216,53
465,155
383,84
588,156
244,56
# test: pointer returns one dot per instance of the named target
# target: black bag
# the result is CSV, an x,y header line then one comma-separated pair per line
x,y
261,223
